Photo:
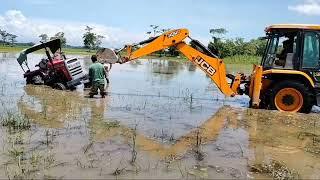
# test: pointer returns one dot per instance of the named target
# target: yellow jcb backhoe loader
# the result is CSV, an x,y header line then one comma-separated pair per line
x,y
288,78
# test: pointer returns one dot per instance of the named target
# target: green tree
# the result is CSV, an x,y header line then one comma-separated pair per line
x,y
260,45
216,45
98,41
240,46
12,38
217,34
89,38
4,36
43,37
231,47
60,35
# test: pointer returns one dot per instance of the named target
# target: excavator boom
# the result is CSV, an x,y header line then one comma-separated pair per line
x,y
205,60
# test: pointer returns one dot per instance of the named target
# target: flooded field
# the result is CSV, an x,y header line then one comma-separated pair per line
x,y
161,119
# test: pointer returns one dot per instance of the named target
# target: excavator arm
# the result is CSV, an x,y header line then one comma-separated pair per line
x,y
204,59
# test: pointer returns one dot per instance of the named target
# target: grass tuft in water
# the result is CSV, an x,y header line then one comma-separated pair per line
x,y
134,151
197,147
111,124
275,169
15,121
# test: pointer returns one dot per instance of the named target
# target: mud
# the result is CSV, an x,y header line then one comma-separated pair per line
x,y
161,119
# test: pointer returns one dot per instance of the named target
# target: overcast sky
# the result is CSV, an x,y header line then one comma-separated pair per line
x,y
124,21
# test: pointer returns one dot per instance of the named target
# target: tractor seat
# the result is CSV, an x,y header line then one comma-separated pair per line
x,y
43,64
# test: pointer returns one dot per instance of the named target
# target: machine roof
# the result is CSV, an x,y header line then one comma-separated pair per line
x,y
53,45
293,26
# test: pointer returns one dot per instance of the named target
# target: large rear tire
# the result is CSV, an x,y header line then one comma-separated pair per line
x,y
291,96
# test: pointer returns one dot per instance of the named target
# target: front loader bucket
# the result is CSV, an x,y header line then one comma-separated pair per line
x,y
108,56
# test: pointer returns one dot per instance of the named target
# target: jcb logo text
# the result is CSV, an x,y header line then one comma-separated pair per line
x,y
205,66
173,34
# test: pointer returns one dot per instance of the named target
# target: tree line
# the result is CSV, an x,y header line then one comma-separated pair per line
x,y
224,47
90,39
219,45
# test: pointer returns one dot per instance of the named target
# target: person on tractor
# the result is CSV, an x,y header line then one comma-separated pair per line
x,y
97,74
287,48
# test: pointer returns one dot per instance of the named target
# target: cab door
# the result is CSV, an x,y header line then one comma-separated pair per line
x,y
311,54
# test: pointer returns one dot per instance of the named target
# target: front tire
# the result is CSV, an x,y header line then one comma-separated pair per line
x,y
72,88
59,86
291,96
37,80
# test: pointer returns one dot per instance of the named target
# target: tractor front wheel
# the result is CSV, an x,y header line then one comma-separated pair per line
x,y
59,86
37,80
291,96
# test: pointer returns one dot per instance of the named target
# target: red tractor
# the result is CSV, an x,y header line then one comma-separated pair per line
x,y
56,70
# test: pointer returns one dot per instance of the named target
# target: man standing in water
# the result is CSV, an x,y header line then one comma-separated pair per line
x,y
96,75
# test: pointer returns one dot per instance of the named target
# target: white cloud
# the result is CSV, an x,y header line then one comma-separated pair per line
x,y
308,7
28,30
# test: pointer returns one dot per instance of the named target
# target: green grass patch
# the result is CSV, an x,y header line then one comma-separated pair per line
x,y
78,51
242,59
7,49
238,59
17,49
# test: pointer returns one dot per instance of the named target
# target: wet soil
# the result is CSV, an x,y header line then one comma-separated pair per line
x,y
161,119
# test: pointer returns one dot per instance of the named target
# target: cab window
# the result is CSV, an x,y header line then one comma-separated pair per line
x,y
281,51
311,48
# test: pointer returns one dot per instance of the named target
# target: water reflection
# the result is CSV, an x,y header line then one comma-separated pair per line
x,y
256,135
50,108
50,111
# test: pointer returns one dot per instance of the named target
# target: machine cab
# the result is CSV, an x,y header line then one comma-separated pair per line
x,y
293,47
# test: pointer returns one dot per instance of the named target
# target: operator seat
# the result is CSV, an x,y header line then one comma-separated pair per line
x,y
289,61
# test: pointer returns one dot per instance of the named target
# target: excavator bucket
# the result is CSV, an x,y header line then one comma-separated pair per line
x,y
108,56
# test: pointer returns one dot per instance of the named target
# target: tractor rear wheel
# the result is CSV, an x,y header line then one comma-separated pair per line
x,y
291,96
59,86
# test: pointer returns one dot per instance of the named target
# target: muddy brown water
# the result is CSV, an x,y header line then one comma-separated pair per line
x,y
148,127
